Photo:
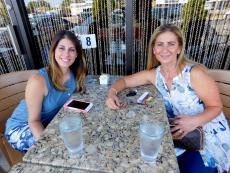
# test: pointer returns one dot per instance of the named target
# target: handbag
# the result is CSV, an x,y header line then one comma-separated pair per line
x,y
191,141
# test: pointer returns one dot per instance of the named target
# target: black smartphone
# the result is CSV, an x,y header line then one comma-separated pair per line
x,y
131,93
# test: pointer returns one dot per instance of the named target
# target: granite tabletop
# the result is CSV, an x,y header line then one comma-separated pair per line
x,y
38,168
111,139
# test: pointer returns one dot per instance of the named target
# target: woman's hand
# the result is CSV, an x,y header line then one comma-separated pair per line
x,y
137,79
112,101
183,125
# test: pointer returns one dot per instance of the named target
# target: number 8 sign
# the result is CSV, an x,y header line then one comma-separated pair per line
x,y
88,41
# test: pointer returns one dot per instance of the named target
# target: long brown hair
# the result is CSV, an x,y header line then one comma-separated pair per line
x,y
181,59
78,67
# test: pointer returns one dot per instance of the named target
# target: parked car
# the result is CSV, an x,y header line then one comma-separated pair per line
x,y
167,12
5,41
227,15
44,28
84,26
118,18
83,17
45,24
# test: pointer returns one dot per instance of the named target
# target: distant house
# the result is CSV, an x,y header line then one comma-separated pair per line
x,y
168,2
217,4
77,8
218,8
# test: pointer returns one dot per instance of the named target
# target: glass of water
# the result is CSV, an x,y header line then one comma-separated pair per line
x,y
71,133
151,135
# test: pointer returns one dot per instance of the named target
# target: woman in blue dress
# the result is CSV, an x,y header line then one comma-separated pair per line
x,y
190,95
47,91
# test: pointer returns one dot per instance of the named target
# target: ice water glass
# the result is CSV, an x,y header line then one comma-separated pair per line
x,y
151,135
71,133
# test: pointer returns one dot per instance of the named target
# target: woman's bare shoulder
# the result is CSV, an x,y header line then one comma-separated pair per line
x,y
38,78
36,81
199,72
201,78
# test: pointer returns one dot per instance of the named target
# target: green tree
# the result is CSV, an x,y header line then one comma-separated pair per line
x,y
193,19
3,11
99,7
33,5
94,9
65,5
193,10
4,18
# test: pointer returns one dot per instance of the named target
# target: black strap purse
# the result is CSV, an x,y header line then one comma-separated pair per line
x,y
192,141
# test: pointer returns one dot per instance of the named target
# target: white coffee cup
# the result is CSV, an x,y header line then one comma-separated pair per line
x,y
104,79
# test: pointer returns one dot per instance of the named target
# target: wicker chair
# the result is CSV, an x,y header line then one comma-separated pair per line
x,y
222,78
12,90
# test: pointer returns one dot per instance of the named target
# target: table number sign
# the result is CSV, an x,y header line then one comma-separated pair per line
x,y
88,41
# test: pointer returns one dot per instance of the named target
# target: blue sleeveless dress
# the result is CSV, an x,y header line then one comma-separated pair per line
x,y
182,100
17,125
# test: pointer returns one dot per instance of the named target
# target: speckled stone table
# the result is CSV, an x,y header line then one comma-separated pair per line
x,y
111,139
37,168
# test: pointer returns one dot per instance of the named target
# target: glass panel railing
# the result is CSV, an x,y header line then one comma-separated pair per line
x,y
9,61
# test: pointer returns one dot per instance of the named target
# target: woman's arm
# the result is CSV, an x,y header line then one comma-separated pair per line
x,y
206,89
137,79
35,91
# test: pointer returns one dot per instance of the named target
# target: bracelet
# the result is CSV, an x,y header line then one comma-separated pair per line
x,y
114,90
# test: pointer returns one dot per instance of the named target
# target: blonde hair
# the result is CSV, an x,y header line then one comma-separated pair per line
x,y
181,59
78,67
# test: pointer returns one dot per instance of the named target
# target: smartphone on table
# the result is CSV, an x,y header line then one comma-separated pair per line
x,y
78,105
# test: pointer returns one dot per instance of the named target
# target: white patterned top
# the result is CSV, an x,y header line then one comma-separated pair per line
x,y
182,100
